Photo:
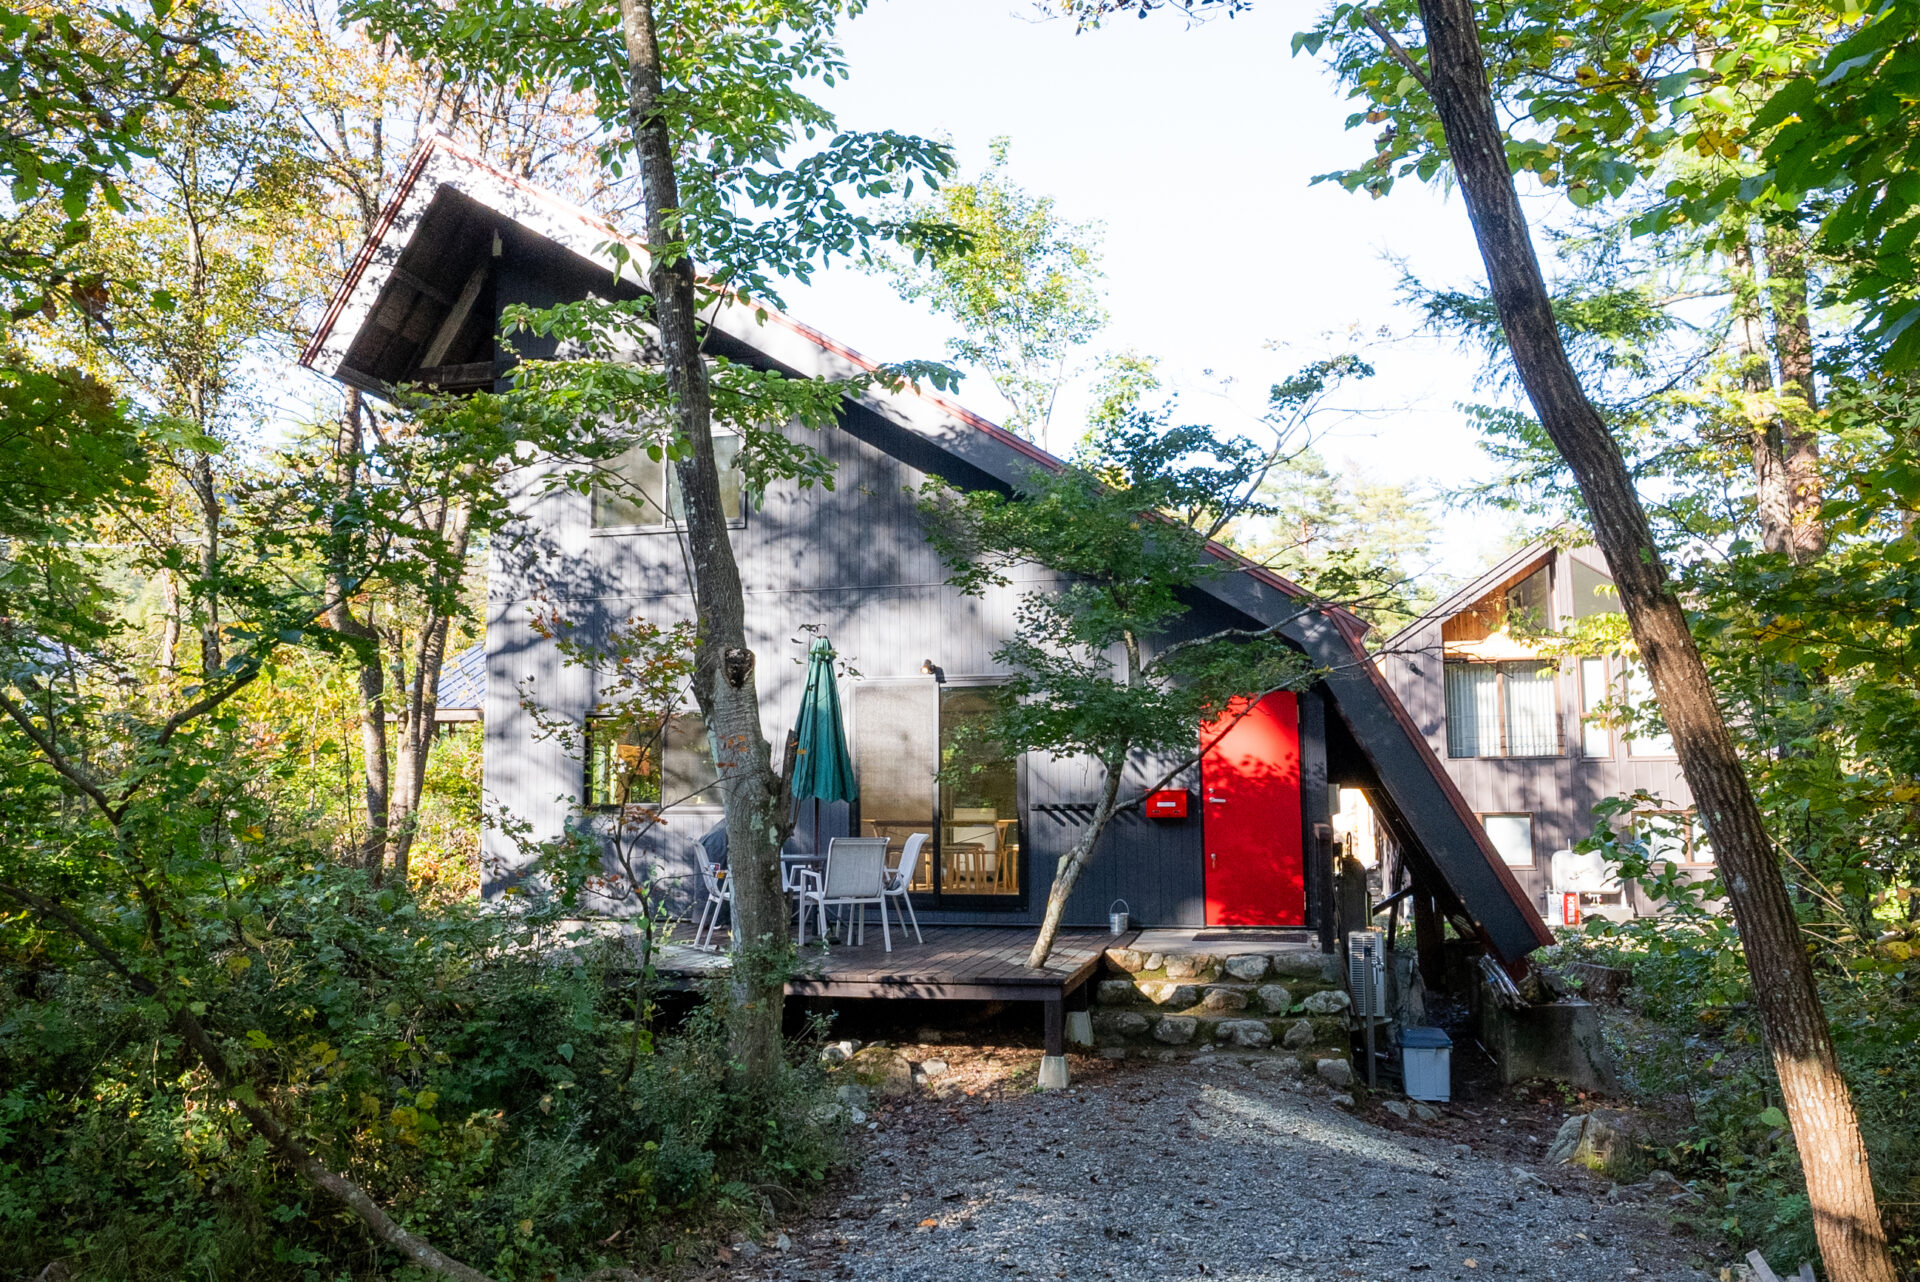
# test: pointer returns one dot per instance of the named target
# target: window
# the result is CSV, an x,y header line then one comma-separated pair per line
x,y
625,769
1502,710
1596,687
1593,592
1512,836
1675,836
1529,602
1645,709
643,492
979,802
904,733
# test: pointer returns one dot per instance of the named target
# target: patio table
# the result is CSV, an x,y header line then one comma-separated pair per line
x,y
793,863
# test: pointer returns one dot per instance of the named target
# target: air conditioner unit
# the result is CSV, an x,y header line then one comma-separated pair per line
x,y
1367,972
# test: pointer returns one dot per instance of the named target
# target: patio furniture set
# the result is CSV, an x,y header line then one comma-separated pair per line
x,y
853,874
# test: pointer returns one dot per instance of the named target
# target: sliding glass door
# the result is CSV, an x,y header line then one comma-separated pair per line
x,y
928,764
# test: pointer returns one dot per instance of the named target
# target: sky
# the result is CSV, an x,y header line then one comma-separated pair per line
x,y
1195,146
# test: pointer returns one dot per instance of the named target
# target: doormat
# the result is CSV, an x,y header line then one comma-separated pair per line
x,y
1255,935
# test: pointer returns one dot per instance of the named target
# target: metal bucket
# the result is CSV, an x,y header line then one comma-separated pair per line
x,y
1117,913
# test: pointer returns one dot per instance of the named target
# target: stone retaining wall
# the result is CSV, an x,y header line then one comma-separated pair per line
x,y
1172,1005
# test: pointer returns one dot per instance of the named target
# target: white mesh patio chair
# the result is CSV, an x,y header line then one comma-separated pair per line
x,y
855,876
900,883
714,880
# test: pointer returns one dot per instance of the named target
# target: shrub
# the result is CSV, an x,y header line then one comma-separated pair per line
x,y
478,1072
1690,981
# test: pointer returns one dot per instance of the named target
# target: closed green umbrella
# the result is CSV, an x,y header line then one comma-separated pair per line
x,y
822,766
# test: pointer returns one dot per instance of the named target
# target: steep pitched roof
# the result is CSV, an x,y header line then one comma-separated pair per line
x,y
463,681
379,289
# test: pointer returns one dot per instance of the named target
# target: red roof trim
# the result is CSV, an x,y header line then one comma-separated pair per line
x,y
360,260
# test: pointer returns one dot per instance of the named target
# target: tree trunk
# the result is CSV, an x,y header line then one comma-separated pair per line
x,y
423,700
200,480
1787,289
169,630
724,672
1066,874
340,617
1826,1130
1772,497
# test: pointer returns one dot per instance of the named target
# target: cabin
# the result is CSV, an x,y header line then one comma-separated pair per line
x,y
1245,842
1525,736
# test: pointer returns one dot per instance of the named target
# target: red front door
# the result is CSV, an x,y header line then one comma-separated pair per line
x,y
1250,797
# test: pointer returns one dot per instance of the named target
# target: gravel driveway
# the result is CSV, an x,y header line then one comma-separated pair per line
x,y
1217,1169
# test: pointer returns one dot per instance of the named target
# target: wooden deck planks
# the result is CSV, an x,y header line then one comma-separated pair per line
x,y
977,962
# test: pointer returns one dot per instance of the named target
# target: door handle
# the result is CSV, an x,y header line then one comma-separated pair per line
x,y
1213,859
1216,801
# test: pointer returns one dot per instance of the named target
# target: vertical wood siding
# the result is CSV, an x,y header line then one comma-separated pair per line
x,y
855,562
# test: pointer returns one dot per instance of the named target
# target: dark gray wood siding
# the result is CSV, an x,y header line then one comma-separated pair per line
x,y
854,562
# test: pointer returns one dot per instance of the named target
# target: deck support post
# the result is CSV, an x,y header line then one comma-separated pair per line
x,y
1053,1064
1079,1018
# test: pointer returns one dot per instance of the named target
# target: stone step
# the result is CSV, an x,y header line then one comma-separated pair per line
x,y
1222,997
1330,1069
1292,964
1308,1038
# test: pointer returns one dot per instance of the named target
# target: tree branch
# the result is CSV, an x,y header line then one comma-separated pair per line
x,y
1395,48
55,758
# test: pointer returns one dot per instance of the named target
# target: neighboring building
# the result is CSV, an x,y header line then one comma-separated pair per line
x,y
1518,732
461,696
1251,846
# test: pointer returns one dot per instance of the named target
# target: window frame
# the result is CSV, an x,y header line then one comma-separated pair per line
x,y
1503,714
591,804
1533,844
668,523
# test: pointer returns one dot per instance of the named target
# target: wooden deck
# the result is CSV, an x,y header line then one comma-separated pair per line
x,y
955,963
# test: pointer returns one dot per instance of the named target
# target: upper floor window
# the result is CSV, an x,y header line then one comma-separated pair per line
x,y
1674,836
1502,710
1512,836
1646,712
1596,689
1611,686
637,491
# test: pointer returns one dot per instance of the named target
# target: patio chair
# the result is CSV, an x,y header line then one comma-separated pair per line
x,y
719,888
900,882
855,876
793,879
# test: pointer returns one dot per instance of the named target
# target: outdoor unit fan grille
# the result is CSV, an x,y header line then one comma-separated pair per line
x,y
1367,972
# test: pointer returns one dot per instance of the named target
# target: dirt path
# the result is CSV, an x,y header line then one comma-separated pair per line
x,y
1217,1169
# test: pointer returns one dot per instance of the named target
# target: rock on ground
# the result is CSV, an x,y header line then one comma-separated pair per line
x,y
1606,1140
1201,1171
